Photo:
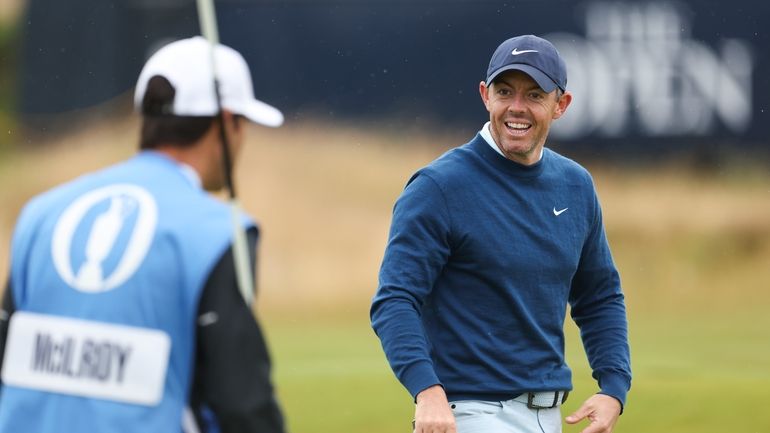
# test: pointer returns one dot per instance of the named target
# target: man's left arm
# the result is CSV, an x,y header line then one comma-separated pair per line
x,y
598,308
233,368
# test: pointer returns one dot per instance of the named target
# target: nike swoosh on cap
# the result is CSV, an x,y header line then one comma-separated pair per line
x,y
516,51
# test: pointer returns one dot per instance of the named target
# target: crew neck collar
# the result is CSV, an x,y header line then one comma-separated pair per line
x,y
496,158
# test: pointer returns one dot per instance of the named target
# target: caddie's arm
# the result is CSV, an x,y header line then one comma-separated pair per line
x,y
232,375
8,308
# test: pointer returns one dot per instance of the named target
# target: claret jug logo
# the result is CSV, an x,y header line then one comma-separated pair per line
x,y
102,237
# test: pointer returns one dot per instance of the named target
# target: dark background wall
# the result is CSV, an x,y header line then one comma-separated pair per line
x,y
686,74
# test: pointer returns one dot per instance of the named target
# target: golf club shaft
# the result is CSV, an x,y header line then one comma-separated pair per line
x,y
242,259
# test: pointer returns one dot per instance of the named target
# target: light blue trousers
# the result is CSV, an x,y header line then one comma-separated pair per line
x,y
511,416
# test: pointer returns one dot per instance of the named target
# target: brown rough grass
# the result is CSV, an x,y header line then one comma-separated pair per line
x,y
323,196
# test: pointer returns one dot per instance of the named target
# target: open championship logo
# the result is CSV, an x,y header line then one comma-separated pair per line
x,y
125,202
640,69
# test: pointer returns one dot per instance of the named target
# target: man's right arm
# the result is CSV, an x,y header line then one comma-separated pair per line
x,y
417,250
433,413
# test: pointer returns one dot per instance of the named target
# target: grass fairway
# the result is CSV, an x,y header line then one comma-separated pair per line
x,y
691,375
693,250
333,377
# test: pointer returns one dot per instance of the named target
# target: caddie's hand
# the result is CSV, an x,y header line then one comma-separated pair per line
x,y
433,414
602,411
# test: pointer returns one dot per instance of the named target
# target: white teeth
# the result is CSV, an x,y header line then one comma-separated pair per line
x,y
517,125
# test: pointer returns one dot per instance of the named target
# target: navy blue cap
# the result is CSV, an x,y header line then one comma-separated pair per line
x,y
532,55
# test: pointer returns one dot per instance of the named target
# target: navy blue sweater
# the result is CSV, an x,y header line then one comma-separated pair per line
x,y
483,257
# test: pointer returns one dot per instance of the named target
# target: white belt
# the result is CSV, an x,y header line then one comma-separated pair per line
x,y
543,400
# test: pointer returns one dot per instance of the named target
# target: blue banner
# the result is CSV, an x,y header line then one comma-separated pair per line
x,y
694,72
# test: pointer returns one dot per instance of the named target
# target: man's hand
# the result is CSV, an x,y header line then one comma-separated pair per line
x,y
601,410
433,414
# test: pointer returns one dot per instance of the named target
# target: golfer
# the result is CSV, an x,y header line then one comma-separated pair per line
x,y
125,315
488,246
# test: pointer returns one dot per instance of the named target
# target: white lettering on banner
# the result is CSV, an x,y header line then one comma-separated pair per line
x,y
638,70
86,358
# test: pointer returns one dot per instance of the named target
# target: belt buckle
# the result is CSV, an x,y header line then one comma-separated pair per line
x,y
532,405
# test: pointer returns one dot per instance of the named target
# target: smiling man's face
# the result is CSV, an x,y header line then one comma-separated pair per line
x,y
520,114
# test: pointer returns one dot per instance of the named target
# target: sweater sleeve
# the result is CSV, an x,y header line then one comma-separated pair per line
x,y
417,250
598,308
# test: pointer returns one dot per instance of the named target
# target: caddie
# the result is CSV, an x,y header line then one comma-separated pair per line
x,y
122,312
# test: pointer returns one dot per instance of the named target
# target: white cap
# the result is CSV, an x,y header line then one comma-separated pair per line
x,y
186,64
